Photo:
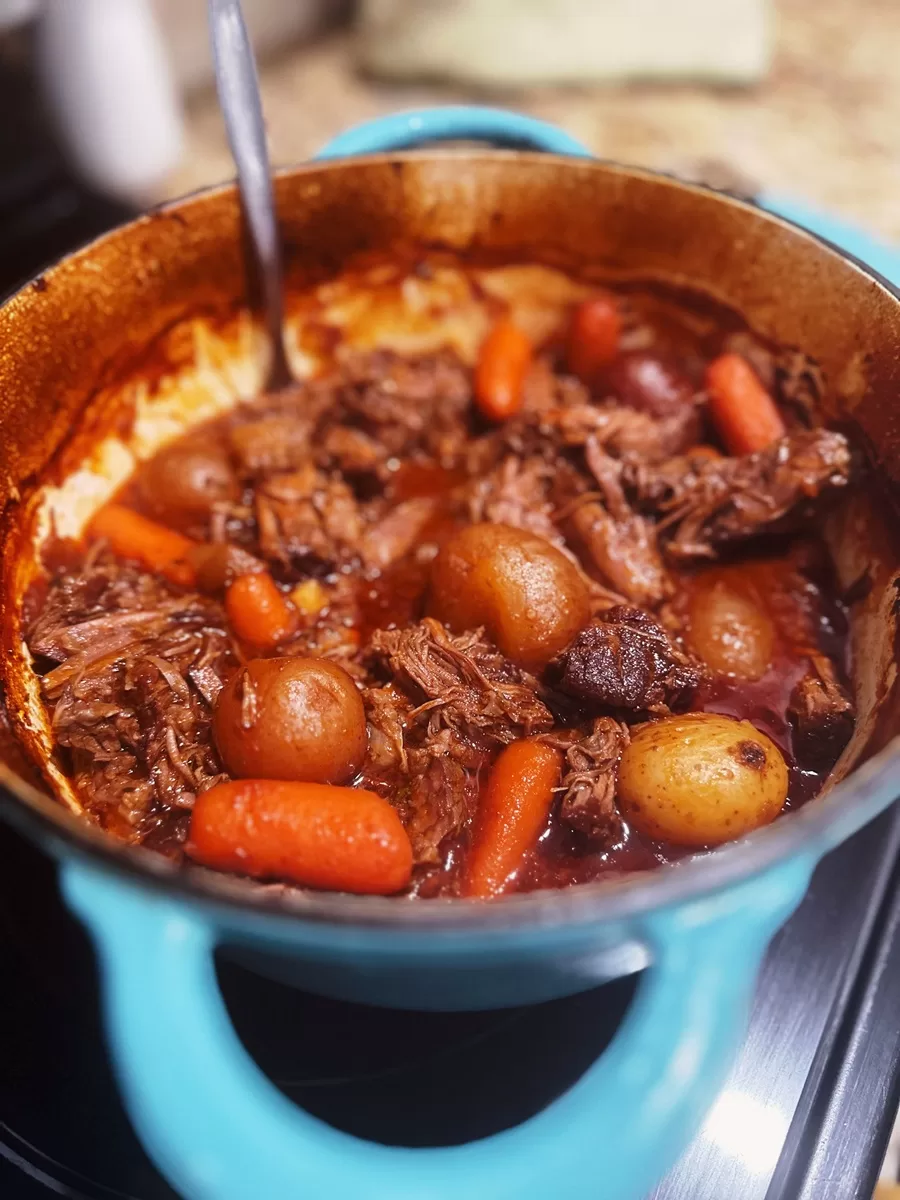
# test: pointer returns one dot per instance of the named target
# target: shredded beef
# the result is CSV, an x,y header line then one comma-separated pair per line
x,y
516,493
441,800
423,767
626,661
620,542
132,690
397,532
621,432
407,405
469,685
589,782
709,502
821,713
307,516
351,450
278,442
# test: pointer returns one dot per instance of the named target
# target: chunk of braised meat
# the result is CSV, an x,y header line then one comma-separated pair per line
x,y
544,390
441,800
627,661
407,405
471,688
352,450
821,713
622,432
307,516
100,603
275,442
425,769
516,493
132,692
397,532
620,543
588,786
708,502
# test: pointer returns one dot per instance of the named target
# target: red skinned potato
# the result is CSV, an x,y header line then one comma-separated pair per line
x,y
291,719
183,481
528,596
650,383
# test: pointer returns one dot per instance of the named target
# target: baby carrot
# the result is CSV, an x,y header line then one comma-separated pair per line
x,y
513,812
503,362
258,612
594,335
338,838
152,545
743,412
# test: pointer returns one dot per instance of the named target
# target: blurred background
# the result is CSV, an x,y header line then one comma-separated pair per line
x,y
792,96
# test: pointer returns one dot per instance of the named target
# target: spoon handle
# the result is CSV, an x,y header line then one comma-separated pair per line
x,y
237,83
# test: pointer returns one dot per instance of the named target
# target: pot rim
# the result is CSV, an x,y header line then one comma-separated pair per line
x,y
808,832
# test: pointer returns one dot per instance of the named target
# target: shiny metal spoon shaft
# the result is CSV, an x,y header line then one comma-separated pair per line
x,y
237,83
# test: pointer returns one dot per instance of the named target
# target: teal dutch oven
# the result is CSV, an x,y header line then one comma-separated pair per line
x,y
214,1124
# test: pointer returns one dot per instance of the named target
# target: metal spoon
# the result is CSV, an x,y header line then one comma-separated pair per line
x,y
237,83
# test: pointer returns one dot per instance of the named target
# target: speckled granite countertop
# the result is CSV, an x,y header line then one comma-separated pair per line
x,y
825,126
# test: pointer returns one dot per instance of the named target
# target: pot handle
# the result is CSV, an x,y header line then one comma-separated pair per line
x,y
463,122
220,1130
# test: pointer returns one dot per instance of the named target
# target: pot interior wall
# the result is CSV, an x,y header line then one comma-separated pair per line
x,y
146,331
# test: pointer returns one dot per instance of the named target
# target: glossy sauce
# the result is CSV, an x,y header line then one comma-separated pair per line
x,y
560,859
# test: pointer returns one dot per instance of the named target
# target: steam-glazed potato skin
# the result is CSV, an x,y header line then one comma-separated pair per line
x,y
304,720
700,779
182,482
528,596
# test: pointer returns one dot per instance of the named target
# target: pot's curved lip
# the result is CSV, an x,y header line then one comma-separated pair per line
x,y
808,833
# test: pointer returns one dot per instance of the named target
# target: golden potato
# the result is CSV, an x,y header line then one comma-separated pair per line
x,y
729,628
529,597
700,779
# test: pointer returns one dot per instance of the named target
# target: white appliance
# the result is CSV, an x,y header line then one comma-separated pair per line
x,y
114,73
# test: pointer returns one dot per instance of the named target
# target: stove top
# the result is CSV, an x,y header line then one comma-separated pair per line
x,y
806,1114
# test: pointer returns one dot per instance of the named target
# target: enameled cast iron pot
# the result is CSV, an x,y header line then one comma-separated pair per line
x,y
71,340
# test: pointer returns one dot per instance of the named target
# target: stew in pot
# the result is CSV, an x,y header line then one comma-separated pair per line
x,y
434,628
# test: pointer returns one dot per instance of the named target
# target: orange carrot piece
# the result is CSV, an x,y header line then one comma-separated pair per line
x,y
594,335
514,810
258,612
152,545
503,362
314,834
743,412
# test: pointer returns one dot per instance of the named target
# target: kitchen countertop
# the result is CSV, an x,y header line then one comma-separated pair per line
x,y
825,126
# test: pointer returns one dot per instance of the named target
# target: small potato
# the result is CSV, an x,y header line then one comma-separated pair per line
x,y
184,480
291,719
729,627
700,779
529,597
650,383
